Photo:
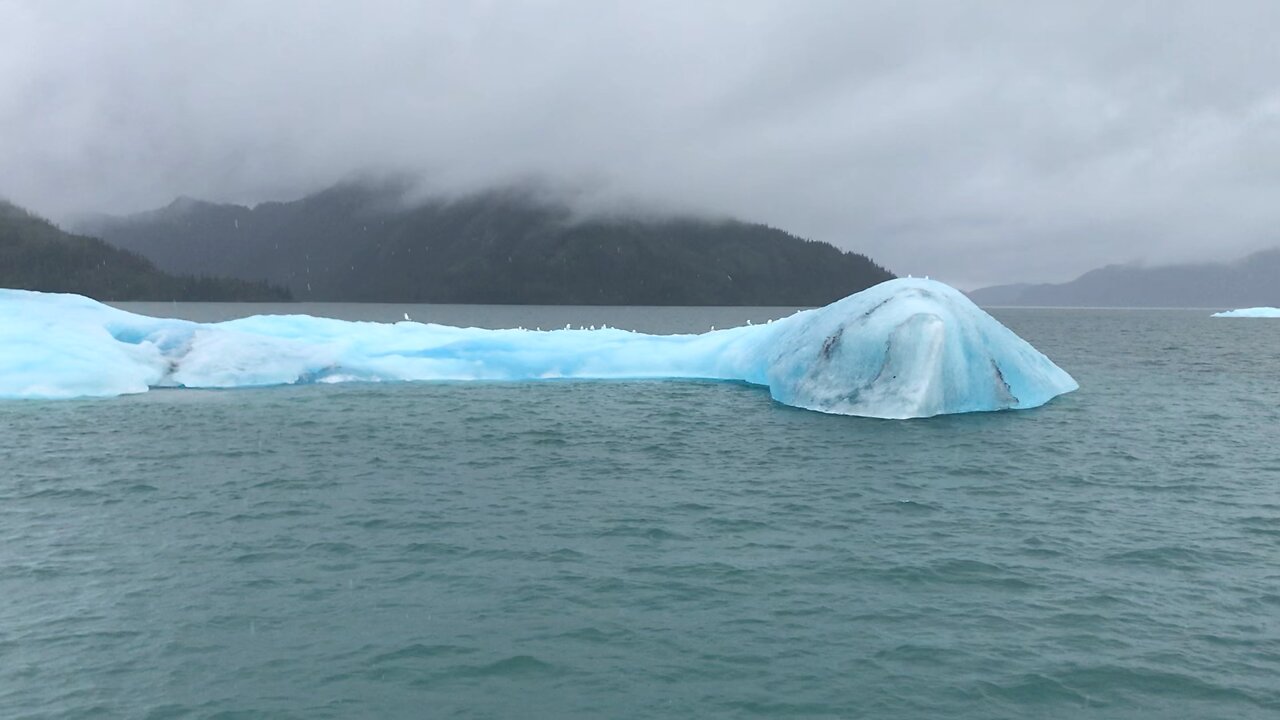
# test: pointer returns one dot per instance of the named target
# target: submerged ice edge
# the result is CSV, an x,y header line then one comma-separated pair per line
x,y
904,348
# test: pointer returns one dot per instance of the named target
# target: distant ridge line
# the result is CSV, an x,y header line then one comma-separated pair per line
x,y
365,242
1251,281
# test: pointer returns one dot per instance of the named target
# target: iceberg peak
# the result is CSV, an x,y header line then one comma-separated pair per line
x,y
907,348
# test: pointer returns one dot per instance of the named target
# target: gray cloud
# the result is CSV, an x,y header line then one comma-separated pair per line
x,y
977,142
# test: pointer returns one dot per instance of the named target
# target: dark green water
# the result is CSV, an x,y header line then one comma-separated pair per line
x,y
652,549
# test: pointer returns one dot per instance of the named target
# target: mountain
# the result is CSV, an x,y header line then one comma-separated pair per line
x,y
37,255
365,242
1252,281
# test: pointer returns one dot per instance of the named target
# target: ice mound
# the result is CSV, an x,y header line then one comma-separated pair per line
x,y
1256,312
905,348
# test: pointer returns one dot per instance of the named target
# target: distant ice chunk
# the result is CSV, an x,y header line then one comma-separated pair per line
x,y
1254,312
905,348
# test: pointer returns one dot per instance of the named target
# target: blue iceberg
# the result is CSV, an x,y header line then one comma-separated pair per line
x,y
1255,312
905,348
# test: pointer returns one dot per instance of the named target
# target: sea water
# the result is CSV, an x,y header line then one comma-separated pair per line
x,y
573,549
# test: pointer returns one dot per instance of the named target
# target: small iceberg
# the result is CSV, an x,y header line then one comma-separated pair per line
x,y
1254,312
902,349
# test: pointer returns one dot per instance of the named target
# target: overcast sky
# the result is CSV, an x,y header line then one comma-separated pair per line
x,y
978,142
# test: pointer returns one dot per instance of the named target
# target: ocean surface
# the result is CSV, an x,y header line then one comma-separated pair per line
x,y
576,549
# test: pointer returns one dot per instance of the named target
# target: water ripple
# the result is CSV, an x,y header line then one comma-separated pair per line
x,y
629,550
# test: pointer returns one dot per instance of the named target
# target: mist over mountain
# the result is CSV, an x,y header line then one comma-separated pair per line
x,y
37,255
362,241
1251,281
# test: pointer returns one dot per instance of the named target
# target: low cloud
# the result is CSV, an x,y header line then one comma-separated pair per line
x,y
976,142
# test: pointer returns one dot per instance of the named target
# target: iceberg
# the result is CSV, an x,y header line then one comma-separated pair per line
x,y
1255,312
905,348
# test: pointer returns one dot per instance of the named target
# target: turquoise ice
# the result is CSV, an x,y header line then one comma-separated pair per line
x,y
905,348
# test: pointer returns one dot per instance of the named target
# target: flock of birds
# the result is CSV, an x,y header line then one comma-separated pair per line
x,y
569,326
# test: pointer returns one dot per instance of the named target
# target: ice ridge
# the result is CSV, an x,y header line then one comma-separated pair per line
x,y
904,348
